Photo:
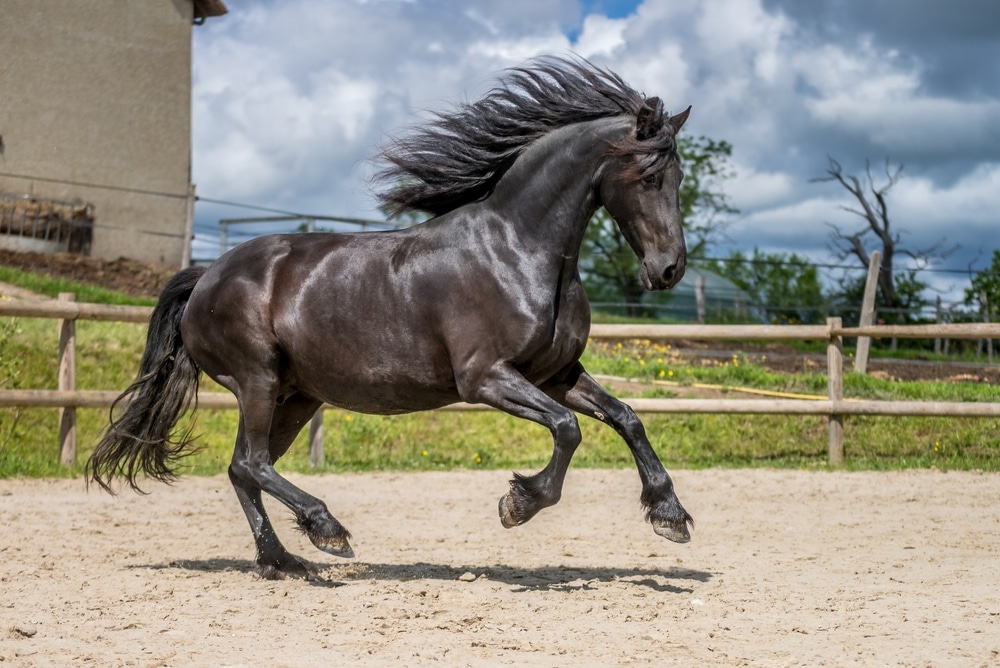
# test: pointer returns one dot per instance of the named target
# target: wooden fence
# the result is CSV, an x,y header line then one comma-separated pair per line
x,y
67,398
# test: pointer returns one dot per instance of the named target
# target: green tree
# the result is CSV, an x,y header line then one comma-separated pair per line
x,y
610,268
986,282
786,286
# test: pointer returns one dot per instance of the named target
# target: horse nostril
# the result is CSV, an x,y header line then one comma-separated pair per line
x,y
673,274
668,276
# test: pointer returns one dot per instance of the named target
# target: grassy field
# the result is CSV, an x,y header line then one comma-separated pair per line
x,y
51,287
108,356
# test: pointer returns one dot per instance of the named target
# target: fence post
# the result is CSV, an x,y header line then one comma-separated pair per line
x,y
868,311
835,390
67,383
316,453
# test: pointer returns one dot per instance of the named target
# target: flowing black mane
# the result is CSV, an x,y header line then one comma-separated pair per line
x,y
458,157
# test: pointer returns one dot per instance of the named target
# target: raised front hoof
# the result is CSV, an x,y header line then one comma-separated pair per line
x,y
508,513
337,545
289,566
675,531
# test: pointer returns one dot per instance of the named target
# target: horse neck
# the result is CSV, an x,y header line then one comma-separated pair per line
x,y
550,193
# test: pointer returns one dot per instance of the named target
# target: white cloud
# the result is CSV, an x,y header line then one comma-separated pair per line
x,y
736,33
515,51
662,73
752,189
601,36
799,223
973,199
901,121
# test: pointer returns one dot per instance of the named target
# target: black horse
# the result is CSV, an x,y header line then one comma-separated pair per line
x,y
482,303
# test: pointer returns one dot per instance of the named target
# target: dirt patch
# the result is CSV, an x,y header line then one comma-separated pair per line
x,y
785,568
138,279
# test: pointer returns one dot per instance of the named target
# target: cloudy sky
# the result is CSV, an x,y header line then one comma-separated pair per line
x,y
292,98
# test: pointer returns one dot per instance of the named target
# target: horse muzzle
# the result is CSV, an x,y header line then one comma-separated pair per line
x,y
664,271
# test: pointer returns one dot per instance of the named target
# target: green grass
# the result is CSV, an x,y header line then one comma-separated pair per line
x,y
51,287
108,356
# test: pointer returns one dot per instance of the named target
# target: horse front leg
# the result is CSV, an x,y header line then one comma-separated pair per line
x,y
505,388
663,509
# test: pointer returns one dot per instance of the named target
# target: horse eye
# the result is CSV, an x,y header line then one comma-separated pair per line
x,y
650,180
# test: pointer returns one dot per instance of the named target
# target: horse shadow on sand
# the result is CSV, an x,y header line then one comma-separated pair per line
x,y
543,578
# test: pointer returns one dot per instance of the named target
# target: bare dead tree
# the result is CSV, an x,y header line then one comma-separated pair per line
x,y
874,211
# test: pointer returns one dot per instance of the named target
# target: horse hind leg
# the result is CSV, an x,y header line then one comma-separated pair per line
x,y
273,560
250,476
315,520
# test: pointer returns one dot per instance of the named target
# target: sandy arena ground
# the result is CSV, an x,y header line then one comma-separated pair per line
x,y
785,568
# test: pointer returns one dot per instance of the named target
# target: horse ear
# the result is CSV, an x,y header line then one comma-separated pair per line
x,y
649,120
677,122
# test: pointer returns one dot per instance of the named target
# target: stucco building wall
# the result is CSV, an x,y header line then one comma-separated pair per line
x,y
99,91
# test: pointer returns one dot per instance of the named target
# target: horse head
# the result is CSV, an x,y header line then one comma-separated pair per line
x,y
643,194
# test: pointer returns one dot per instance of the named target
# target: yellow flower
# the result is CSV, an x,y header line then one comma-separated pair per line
x,y
670,373
662,373
347,418
424,453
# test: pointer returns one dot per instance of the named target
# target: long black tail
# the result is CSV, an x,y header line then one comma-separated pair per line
x,y
138,438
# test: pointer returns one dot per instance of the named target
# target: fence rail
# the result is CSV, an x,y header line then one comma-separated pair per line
x,y
67,398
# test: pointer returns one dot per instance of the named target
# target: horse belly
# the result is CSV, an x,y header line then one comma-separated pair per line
x,y
385,397
373,383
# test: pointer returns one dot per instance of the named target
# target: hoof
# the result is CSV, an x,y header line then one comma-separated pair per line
x,y
675,531
508,517
336,545
289,566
